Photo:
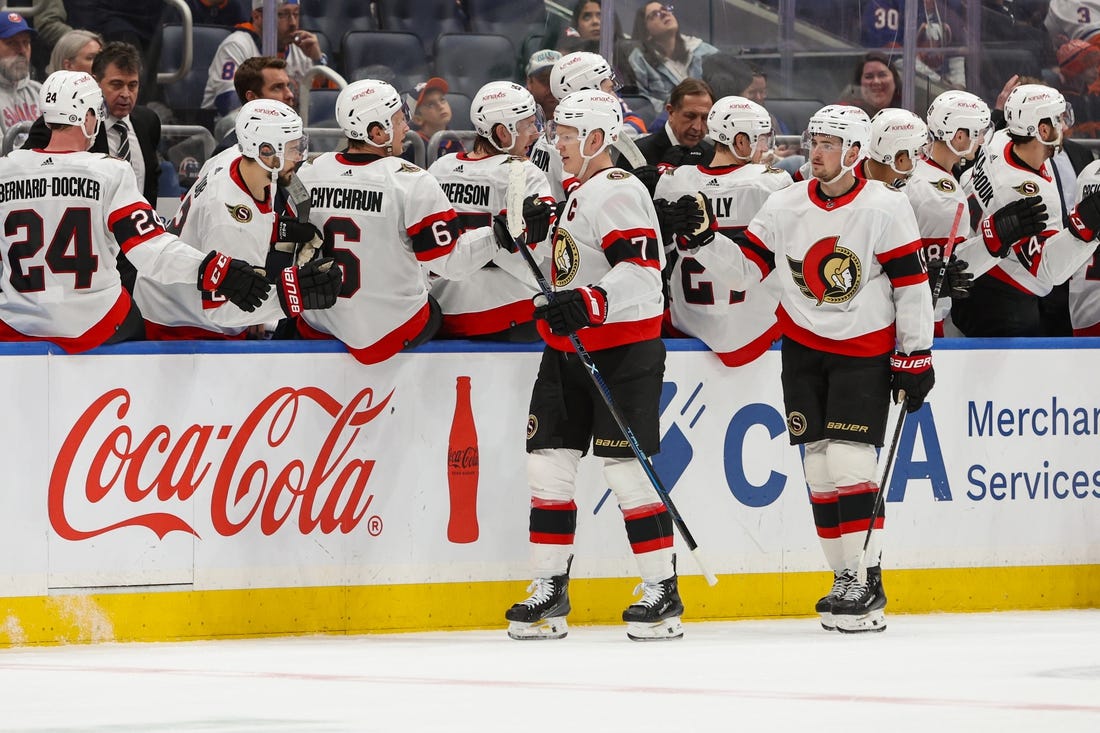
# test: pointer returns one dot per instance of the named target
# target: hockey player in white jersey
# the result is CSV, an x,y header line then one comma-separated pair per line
x,y
606,274
737,325
382,219
1016,165
67,213
494,302
1084,285
856,315
234,205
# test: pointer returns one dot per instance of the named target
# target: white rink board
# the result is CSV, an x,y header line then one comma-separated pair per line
x,y
90,502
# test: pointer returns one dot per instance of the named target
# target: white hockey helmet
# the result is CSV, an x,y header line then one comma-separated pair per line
x,y
267,127
365,103
501,103
1029,104
589,110
578,71
894,131
730,116
956,110
67,96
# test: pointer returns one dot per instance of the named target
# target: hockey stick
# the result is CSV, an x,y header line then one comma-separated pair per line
x,y
630,151
515,228
298,196
880,499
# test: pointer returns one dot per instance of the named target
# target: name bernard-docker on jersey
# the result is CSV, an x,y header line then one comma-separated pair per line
x,y
53,187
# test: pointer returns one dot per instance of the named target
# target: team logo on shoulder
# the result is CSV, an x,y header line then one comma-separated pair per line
x,y
532,426
408,168
796,423
829,273
945,185
240,213
567,258
616,174
770,169
1027,188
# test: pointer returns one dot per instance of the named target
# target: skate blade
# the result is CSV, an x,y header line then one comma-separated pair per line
x,y
548,628
664,630
875,621
828,621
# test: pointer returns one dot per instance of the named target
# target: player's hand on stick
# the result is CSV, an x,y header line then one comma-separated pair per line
x,y
913,375
679,217
957,279
572,310
537,217
1084,222
703,233
648,175
1020,219
235,280
504,238
314,286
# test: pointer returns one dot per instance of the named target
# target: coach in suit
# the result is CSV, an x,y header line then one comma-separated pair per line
x,y
130,132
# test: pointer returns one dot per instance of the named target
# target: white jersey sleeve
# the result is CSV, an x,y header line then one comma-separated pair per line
x,y
1084,285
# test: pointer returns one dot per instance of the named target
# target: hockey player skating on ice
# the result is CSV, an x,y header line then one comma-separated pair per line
x,y
88,207
856,315
606,274
737,326
494,302
1015,164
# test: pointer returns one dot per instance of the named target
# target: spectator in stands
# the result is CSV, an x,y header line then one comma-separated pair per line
x,y
665,57
681,141
299,48
18,93
75,51
218,12
876,84
130,21
584,35
49,22
431,113
260,77
1079,66
538,80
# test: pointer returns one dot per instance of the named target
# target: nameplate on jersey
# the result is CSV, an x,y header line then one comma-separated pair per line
x,y
53,187
470,194
349,199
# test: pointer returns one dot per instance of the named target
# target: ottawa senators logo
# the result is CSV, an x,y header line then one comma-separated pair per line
x,y
829,273
1027,188
408,168
945,185
567,258
532,426
240,213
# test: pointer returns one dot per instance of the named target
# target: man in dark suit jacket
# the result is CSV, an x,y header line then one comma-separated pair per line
x,y
129,132
687,107
117,68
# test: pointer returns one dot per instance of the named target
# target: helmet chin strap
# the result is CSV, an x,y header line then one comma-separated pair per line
x,y
844,169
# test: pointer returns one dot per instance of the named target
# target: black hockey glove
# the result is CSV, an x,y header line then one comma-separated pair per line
x,y
504,238
288,229
648,175
913,375
1084,222
677,217
703,233
572,310
956,278
235,280
537,216
310,287
1021,219
682,155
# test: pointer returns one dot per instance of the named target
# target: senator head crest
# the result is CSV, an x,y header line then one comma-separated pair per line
x,y
829,273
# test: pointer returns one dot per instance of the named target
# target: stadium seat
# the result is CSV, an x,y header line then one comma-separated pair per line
x,y
460,111
322,107
334,18
516,19
426,18
470,60
185,96
402,53
794,114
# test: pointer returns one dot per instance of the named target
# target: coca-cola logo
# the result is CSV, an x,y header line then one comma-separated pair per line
x,y
163,470
463,459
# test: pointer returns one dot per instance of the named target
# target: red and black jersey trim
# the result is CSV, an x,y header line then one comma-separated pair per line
x,y
428,239
904,265
755,250
134,224
632,245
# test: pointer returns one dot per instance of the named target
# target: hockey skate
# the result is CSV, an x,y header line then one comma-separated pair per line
x,y
656,616
542,616
861,607
824,607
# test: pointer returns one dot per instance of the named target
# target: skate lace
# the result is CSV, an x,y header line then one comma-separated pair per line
x,y
854,591
541,589
652,594
841,582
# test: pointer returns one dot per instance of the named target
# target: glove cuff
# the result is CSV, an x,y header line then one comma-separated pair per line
x,y
992,241
290,294
212,271
1079,229
595,302
916,362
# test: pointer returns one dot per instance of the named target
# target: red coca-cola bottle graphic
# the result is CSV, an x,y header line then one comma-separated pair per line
x,y
462,468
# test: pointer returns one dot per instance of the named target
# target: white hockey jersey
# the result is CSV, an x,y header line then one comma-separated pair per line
x,y
997,178
218,213
1072,19
498,295
1084,285
239,46
548,159
384,218
65,218
850,272
737,325
608,236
